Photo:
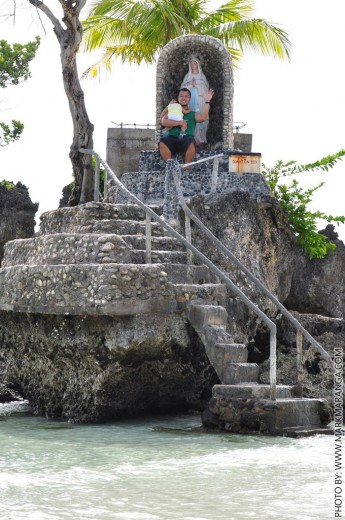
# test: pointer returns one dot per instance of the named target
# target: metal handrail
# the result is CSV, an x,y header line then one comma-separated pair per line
x,y
300,330
222,276
240,265
235,126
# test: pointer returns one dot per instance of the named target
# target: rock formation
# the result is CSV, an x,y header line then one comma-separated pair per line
x,y
95,326
318,286
17,213
93,369
137,351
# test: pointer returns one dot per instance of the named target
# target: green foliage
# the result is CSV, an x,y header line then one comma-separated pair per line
x,y
9,135
101,177
7,184
101,181
295,200
14,68
14,61
136,31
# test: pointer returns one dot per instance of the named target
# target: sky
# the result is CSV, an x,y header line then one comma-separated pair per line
x,y
295,111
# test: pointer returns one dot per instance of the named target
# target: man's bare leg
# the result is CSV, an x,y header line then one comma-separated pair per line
x,y
190,153
164,151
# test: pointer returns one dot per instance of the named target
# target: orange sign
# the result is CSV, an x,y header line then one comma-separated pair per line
x,y
243,163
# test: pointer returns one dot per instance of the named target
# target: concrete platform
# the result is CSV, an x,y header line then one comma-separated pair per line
x,y
252,391
288,417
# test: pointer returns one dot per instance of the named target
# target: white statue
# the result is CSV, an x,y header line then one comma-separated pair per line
x,y
195,80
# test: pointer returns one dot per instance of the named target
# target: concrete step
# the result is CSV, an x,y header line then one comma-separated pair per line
x,y
162,243
160,257
184,275
230,353
90,248
67,248
301,431
117,227
96,217
186,294
202,315
227,357
220,354
294,412
247,413
250,391
237,373
213,334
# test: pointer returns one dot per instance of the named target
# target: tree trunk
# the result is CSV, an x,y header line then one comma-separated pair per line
x,y
82,129
69,39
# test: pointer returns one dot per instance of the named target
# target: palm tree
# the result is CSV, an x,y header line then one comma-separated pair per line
x,y
136,30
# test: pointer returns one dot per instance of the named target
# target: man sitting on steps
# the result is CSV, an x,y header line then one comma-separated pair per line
x,y
172,144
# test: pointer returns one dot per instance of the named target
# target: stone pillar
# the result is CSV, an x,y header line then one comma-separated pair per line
x,y
171,202
124,146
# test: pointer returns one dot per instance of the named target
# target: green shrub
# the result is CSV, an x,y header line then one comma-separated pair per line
x,y
295,200
7,184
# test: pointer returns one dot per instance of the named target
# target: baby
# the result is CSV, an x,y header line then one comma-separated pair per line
x,y
174,114
175,111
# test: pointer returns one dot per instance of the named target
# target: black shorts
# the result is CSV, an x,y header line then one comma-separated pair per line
x,y
177,144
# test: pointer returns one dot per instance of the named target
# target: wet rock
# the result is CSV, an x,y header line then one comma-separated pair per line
x,y
318,377
96,369
318,286
17,213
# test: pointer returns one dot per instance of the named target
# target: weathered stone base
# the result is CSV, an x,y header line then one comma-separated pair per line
x,y
264,416
102,368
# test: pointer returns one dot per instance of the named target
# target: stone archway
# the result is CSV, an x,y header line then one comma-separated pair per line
x,y
217,65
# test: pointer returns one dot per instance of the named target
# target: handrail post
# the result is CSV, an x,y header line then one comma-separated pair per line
x,y
214,178
273,363
105,189
96,185
148,239
299,356
188,231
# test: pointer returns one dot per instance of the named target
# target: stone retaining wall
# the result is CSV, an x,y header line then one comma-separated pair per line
x,y
151,161
67,249
149,187
86,289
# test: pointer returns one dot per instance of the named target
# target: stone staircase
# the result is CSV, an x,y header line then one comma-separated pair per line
x,y
91,260
240,404
229,359
99,249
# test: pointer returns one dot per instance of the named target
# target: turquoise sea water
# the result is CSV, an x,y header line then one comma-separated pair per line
x,y
53,470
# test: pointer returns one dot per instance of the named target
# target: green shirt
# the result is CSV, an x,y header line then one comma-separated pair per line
x,y
190,118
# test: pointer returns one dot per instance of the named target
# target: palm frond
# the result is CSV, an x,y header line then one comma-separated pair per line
x,y
136,30
256,35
